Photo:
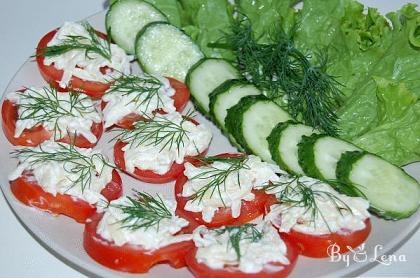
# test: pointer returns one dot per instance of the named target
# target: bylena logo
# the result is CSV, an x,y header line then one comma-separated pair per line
x,y
360,255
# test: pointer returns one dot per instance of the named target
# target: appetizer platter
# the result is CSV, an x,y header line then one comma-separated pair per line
x,y
146,141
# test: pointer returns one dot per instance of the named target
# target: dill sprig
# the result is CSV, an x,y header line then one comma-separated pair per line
x,y
281,70
144,211
74,162
91,44
49,107
144,89
215,177
247,232
296,193
156,131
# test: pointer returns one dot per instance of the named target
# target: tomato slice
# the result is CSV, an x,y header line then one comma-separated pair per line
x,y
146,175
223,216
181,97
36,135
317,246
201,270
53,75
28,191
129,257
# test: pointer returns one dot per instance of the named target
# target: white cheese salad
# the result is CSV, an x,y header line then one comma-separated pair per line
x,y
144,220
62,113
88,56
225,182
251,248
313,207
64,169
142,95
165,139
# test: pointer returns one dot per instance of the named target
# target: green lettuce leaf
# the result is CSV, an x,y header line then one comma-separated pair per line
x,y
396,135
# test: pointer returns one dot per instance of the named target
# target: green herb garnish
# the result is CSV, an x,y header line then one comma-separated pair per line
x,y
144,211
156,131
144,88
217,177
91,44
81,165
49,107
280,70
296,193
247,232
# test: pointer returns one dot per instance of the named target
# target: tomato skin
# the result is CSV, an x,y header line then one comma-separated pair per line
x,y
36,135
181,97
223,216
201,270
53,75
29,192
316,246
145,175
129,257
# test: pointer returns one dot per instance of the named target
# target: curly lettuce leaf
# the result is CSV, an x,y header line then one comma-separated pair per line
x,y
396,135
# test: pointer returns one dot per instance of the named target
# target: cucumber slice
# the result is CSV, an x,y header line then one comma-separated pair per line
x,y
163,49
283,144
125,18
392,193
318,155
228,94
205,76
252,120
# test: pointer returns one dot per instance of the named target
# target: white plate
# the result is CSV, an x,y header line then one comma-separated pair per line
x,y
63,237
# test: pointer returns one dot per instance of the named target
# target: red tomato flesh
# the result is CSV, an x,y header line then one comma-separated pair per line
x,y
317,246
53,75
28,191
36,135
201,270
223,216
129,257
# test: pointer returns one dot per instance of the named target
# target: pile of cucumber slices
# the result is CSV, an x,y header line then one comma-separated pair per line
x,y
253,122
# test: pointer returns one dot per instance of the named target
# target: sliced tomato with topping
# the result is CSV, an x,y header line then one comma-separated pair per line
x,y
129,257
28,191
36,135
322,246
148,175
273,270
223,216
181,97
53,75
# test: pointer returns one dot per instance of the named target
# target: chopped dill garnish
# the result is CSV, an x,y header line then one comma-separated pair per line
x,y
91,44
144,211
81,165
215,177
282,71
296,193
144,89
156,131
247,232
49,107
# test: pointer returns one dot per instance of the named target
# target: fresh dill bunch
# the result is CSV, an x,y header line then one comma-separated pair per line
x,y
296,193
246,231
49,107
74,162
215,177
156,131
91,44
282,71
144,88
143,211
